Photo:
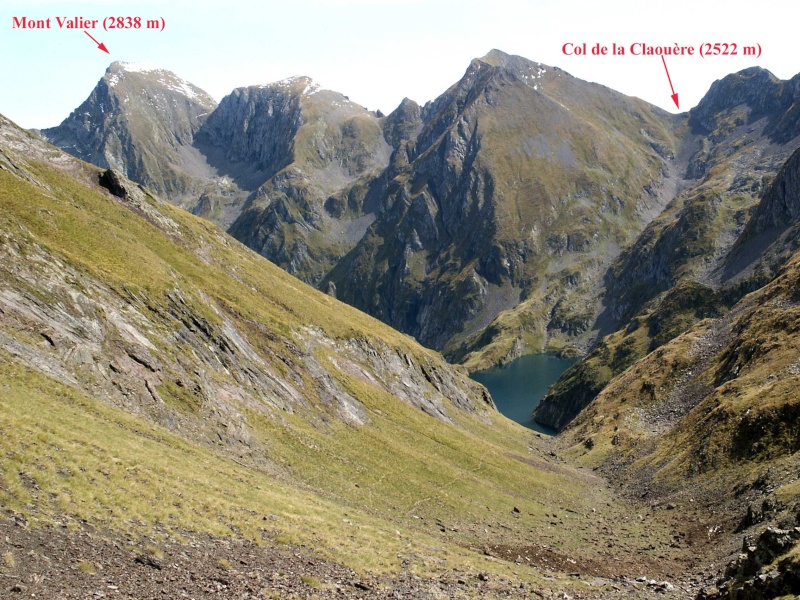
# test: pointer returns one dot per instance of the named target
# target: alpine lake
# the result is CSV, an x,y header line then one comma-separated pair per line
x,y
518,387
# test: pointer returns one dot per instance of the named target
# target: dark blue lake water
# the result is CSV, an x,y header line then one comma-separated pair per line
x,y
518,387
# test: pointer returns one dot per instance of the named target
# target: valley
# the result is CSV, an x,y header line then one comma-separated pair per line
x,y
236,342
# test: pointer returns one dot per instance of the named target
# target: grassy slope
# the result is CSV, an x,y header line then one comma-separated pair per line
x,y
346,490
595,196
716,406
709,424
662,284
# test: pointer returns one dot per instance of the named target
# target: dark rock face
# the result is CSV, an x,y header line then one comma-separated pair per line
x,y
141,121
111,180
765,96
559,407
781,205
404,123
751,577
489,194
255,126
772,235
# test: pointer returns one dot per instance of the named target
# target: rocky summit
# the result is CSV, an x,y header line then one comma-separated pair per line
x,y
141,120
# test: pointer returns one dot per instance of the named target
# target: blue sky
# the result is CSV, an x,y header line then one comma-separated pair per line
x,y
378,51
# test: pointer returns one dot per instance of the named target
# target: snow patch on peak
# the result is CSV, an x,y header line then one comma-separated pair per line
x,y
310,88
166,78
138,67
181,86
117,68
289,81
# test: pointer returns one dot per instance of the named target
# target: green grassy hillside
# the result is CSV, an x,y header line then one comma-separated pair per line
x,y
709,423
161,381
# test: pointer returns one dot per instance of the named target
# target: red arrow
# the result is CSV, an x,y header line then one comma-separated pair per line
x,y
674,95
103,46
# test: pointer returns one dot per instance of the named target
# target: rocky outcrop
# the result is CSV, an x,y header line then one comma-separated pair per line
x,y
178,353
755,575
403,123
573,392
772,235
764,96
141,120
491,194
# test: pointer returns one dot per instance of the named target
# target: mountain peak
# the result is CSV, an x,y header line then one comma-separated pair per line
x,y
754,87
496,57
118,71
301,84
531,72
132,67
138,120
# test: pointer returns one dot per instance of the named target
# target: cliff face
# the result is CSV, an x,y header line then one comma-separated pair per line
x,y
520,185
780,207
772,235
141,121
316,154
728,233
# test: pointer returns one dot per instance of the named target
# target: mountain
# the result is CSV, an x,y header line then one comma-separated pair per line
x,y
309,154
711,418
503,212
523,210
141,120
180,415
690,404
725,234
265,162
479,223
